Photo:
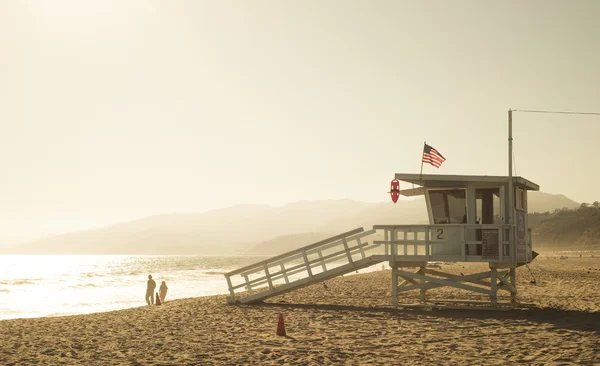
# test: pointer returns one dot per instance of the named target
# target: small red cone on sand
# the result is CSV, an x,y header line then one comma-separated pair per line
x,y
158,299
281,326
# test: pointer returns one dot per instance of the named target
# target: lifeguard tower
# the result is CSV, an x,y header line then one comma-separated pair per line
x,y
471,219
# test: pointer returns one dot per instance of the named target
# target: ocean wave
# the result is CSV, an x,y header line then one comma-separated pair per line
x,y
215,272
4,290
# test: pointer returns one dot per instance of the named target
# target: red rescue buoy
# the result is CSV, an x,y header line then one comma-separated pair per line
x,y
395,192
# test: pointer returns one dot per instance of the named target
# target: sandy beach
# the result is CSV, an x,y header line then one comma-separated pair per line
x,y
349,322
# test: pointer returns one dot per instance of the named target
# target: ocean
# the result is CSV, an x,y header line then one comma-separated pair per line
x,y
55,285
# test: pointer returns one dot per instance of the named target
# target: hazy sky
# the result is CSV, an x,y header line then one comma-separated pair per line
x,y
116,110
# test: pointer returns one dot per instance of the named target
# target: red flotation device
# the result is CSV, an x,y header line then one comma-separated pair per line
x,y
395,192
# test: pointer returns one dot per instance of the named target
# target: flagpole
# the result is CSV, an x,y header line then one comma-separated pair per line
x,y
511,200
421,174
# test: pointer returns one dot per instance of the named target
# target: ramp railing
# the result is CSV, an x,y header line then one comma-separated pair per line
x,y
297,268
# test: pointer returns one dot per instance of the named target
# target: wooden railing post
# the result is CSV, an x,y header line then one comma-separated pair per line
x,y
307,264
386,238
394,248
494,287
422,283
394,284
348,254
231,292
268,275
500,245
285,277
463,242
248,285
322,262
362,251
427,241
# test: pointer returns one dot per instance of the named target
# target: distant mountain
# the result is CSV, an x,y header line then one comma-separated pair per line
x,y
546,202
227,231
246,229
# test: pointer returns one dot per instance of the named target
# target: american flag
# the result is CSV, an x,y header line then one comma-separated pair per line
x,y
432,156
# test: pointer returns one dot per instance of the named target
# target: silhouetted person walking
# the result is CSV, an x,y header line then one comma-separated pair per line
x,y
150,290
163,291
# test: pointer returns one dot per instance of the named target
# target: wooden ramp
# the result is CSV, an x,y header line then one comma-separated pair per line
x,y
302,267
404,246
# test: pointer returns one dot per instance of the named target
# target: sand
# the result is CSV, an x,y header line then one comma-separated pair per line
x,y
348,323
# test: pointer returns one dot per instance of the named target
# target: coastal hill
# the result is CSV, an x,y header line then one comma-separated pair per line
x,y
574,229
247,229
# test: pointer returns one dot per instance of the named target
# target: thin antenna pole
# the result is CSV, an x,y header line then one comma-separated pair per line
x,y
511,204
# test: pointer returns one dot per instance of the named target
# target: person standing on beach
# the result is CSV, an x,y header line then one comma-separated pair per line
x,y
150,290
163,291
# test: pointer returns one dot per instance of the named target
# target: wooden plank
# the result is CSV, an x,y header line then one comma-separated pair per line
x,y
444,274
450,283
430,286
407,279
457,279
411,192
506,283
411,264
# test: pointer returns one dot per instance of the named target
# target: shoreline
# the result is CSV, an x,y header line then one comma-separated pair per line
x,y
343,323
143,304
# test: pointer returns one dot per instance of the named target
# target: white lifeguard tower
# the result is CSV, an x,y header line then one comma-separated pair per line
x,y
471,219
